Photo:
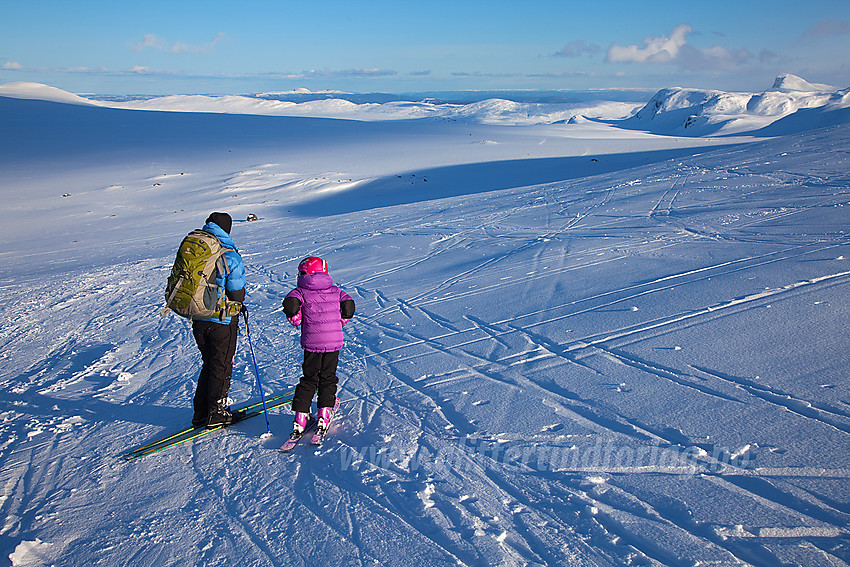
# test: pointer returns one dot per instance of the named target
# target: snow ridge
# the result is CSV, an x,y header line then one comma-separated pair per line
x,y
698,112
671,111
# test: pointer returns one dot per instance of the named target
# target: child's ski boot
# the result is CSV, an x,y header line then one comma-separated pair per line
x,y
326,416
299,426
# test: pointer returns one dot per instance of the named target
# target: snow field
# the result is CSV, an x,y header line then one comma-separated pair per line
x,y
641,364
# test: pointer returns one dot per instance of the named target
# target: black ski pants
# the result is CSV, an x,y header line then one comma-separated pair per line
x,y
217,344
319,370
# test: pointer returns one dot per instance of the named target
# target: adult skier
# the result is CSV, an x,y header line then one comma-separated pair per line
x,y
216,336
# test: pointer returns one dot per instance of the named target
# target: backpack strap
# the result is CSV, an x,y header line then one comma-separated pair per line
x,y
226,304
168,301
222,267
223,260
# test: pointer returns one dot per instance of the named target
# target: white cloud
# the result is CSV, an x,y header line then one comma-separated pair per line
x,y
674,49
661,49
484,75
577,49
344,73
151,41
12,65
181,47
370,72
828,28
713,58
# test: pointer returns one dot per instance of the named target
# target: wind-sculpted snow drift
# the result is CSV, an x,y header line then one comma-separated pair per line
x,y
575,344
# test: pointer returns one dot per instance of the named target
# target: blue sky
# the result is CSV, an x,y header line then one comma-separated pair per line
x,y
212,46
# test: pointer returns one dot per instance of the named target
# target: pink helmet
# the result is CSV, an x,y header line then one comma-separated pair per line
x,y
311,265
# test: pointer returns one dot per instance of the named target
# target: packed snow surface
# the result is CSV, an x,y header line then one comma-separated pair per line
x,y
577,341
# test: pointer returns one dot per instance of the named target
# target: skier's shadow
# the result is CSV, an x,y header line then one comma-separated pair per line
x,y
94,410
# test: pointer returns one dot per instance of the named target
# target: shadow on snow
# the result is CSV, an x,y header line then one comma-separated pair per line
x,y
470,179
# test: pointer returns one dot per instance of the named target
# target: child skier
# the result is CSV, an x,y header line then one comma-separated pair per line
x,y
321,309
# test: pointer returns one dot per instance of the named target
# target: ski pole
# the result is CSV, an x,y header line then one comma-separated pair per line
x,y
256,369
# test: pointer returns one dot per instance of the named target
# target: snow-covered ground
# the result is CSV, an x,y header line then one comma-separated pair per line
x,y
577,343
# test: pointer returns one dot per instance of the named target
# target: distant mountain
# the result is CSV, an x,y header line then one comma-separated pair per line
x,y
38,91
790,83
696,112
790,105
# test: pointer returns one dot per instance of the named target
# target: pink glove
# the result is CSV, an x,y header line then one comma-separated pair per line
x,y
295,320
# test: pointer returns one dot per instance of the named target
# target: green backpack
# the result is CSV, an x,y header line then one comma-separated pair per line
x,y
192,291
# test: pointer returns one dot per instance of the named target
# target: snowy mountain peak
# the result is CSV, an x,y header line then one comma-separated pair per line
x,y
698,112
789,83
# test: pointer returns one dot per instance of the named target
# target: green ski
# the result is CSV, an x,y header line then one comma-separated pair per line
x,y
189,433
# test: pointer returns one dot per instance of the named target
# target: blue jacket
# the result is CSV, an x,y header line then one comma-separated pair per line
x,y
235,280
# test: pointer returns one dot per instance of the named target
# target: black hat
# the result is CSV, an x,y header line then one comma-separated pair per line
x,y
223,220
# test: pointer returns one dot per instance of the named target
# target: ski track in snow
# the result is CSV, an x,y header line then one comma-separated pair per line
x,y
626,368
